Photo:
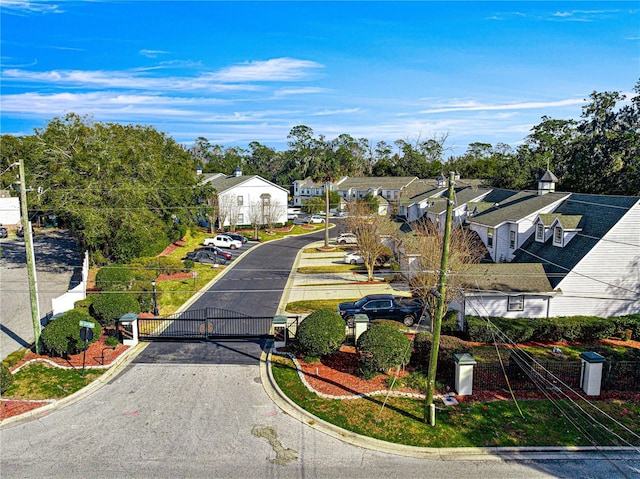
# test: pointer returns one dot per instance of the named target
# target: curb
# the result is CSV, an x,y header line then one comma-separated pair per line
x,y
450,453
115,368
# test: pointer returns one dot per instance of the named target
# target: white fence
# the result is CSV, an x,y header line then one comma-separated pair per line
x,y
67,300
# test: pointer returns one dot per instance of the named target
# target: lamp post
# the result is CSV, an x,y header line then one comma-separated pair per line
x,y
155,299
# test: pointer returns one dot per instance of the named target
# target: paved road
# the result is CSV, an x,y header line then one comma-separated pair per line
x,y
166,418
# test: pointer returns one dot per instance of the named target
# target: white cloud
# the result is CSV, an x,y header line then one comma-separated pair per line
x,y
152,53
277,69
336,112
27,6
299,91
472,105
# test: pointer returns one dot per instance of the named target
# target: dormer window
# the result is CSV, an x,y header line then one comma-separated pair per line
x,y
512,239
490,238
557,236
540,233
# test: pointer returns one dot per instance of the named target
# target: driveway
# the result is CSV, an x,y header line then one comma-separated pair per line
x,y
57,259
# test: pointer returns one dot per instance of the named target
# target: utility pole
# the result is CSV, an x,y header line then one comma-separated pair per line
x,y
31,264
430,407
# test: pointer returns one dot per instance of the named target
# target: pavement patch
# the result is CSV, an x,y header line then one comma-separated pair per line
x,y
283,455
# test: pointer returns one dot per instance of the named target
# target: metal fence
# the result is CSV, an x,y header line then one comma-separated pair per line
x,y
621,376
524,376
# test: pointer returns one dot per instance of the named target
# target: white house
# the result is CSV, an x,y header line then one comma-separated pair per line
x,y
554,254
244,200
9,209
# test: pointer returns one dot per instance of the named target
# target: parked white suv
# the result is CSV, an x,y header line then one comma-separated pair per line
x,y
347,238
223,241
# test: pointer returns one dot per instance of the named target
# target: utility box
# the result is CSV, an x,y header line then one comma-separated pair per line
x,y
464,374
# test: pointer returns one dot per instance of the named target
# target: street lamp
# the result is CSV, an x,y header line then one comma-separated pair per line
x,y
155,298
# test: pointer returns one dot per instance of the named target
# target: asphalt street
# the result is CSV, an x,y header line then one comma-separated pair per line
x,y
194,411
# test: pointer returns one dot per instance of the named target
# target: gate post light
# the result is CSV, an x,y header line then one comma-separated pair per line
x,y
155,298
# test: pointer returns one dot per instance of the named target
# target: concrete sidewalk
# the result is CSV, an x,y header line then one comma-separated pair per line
x,y
330,286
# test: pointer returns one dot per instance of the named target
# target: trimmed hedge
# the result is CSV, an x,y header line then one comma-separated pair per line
x,y
114,278
566,328
380,348
62,335
321,333
6,378
107,308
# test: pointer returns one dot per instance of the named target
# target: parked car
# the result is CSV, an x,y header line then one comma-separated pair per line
x,y
383,306
346,238
209,254
237,236
353,258
316,219
223,241
3,232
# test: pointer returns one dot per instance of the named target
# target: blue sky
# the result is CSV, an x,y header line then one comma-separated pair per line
x,y
236,72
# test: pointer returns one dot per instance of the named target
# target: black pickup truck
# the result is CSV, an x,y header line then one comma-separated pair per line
x,y
383,306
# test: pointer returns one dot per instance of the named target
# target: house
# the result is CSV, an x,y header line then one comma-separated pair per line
x,y
552,254
9,209
245,200
387,189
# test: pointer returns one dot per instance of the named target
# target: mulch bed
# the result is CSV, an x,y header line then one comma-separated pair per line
x,y
98,356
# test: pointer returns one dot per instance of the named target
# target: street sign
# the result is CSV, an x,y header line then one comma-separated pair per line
x,y
86,334
87,324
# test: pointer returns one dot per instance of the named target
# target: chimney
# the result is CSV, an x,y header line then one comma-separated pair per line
x,y
237,171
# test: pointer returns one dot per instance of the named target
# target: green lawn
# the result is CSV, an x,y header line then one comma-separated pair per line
x,y
38,381
493,424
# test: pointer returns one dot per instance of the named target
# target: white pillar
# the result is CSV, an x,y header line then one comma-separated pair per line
x,y
279,331
591,376
129,324
361,325
464,374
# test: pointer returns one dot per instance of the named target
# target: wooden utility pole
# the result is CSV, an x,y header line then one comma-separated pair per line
x,y
430,407
31,264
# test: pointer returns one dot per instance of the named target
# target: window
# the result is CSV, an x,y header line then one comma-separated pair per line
x,y
490,238
515,303
540,232
240,200
241,218
512,239
557,236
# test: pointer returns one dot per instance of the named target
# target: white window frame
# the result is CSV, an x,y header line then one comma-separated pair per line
x,y
557,236
489,237
515,303
240,200
540,233
512,239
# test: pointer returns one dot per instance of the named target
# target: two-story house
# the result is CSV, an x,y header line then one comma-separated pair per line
x,y
243,199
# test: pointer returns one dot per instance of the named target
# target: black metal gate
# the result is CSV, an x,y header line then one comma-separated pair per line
x,y
209,323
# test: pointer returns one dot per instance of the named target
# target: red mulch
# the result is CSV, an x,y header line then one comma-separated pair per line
x,y
172,247
96,352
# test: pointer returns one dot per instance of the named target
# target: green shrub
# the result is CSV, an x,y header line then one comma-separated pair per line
x,y
151,268
62,335
84,303
188,265
449,345
478,330
107,308
450,323
14,358
595,328
144,295
6,378
321,333
629,323
380,348
114,278
112,341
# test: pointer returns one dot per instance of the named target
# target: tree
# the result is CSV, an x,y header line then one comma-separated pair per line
x,y
370,230
112,184
255,217
465,249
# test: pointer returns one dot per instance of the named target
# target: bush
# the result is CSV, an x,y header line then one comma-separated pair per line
x,y
321,333
6,378
14,358
114,278
450,323
380,348
188,265
62,335
629,323
449,345
107,308
144,295
151,268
